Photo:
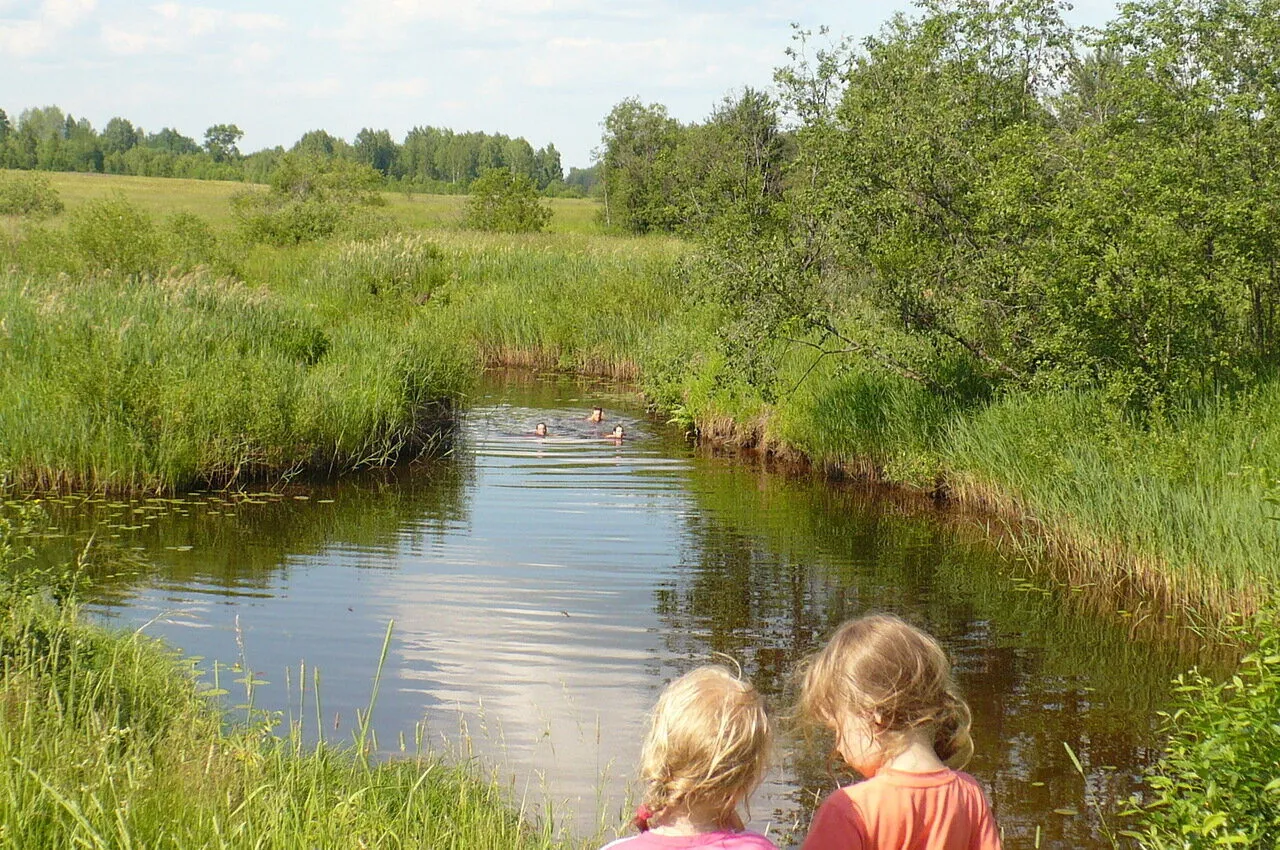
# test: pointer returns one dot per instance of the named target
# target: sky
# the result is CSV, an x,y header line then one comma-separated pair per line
x,y
548,70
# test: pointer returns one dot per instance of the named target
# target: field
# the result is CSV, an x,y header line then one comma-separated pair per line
x,y
210,199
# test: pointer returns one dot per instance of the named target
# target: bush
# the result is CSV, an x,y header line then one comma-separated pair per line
x,y
505,202
29,194
310,199
1219,780
113,235
191,242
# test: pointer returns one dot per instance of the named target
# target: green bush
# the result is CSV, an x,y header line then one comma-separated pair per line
x,y
1218,783
311,199
113,235
505,202
28,194
191,243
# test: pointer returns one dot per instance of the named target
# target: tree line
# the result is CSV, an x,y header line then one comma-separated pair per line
x,y
981,197
428,158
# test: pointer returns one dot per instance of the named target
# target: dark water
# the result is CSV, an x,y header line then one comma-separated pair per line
x,y
542,591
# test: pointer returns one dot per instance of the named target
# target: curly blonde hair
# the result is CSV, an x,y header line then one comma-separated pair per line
x,y
709,743
895,676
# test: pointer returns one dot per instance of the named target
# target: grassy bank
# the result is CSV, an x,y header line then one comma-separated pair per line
x,y
148,353
108,741
1178,510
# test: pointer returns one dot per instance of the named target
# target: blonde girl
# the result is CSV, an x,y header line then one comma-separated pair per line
x,y
707,749
885,689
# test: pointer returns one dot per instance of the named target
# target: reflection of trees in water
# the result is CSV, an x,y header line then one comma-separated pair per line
x,y
773,566
244,541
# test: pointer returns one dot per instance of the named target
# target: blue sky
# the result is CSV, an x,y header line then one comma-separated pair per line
x,y
548,70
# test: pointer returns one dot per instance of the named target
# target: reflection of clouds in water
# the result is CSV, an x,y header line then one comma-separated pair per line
x,y
538,625
559,693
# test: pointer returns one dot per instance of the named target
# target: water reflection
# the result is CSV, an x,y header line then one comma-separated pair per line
x,y
544,589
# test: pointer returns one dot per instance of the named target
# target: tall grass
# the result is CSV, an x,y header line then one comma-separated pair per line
x,y
583,303
155,383
105,742
1178,508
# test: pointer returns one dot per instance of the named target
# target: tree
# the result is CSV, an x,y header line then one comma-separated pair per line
x,y
220,141
119,136
171,141
637,144
318,143
546,166
376,149
5,126
506,202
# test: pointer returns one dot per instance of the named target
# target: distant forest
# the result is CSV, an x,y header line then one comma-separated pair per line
x,y
429,159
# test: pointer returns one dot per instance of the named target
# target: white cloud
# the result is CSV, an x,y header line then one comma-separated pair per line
x,y
173,27
253,57
34,35
310,89
413,88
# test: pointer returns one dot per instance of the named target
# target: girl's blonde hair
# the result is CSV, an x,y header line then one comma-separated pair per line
x,y
895,677
709,743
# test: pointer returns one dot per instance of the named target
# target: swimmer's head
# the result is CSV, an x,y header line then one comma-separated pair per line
x,y
618,433
540,429
597,414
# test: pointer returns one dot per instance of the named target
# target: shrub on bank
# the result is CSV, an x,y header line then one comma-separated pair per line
x,y
505,202
1218,783
111,234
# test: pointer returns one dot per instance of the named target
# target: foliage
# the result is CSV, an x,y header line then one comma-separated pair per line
x,y
310,198
31,195
113,235
1218,782
505,202
968,197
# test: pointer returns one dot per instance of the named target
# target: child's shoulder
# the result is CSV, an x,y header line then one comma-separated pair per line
x,y
747,841
707,841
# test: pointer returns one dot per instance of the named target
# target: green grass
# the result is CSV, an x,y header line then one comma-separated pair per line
x,y
107,741
210,199
160,383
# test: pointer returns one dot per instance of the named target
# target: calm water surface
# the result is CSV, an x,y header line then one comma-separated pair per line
x,y
543,590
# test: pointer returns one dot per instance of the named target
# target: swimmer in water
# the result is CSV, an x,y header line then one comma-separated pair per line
x,y
597,415
540,430
618,433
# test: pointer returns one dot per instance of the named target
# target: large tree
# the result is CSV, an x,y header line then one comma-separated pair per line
x,y
638,144
221,142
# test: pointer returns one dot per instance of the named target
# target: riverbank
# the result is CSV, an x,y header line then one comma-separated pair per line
x,y
246,362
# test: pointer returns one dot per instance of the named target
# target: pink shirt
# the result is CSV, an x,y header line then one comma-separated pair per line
x,y
704,841
899,810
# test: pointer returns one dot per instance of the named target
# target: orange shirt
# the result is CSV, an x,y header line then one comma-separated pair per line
x,y
898,810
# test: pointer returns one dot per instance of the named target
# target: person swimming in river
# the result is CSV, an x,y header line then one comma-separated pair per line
x,y
618,433
597,415
540,430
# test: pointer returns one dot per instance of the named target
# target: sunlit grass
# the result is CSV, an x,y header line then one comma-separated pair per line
x,y
211,200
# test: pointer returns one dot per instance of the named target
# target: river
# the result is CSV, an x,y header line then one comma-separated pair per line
x,y
542,590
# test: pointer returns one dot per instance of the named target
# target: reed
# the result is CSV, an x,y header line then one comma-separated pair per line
x,y
157,383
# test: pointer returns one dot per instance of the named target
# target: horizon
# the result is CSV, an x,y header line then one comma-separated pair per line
x,y
546,71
